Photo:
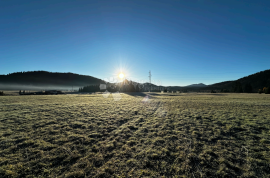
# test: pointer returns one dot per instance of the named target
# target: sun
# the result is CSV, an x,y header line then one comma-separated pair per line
x,y
121,75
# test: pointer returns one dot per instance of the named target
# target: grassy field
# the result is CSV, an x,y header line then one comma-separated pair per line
x,y
168,135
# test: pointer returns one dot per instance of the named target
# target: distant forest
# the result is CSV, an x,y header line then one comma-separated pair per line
x,y
258,82
48,78
125,86
248,84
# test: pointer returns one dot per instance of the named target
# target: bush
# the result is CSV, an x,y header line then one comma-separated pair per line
x,y
212,91
260,91
1,93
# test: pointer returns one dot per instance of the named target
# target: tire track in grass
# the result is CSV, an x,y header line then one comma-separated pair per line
x,y
110,144
130,127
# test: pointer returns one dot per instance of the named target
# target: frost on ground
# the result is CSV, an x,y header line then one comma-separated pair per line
x,y
162,134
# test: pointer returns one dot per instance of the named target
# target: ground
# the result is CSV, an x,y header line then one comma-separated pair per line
x,y
165,135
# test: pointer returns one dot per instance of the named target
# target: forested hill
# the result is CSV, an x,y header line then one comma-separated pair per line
x,y
258,80
48,78
43,78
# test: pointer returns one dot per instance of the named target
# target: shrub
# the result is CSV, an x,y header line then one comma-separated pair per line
x,y
1,93
260,91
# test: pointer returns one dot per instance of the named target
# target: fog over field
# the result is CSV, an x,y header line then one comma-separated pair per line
x,y
36,87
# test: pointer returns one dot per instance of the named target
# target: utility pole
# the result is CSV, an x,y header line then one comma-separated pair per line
x,y
150,79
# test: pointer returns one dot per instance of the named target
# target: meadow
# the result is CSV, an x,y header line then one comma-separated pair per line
x,y
164,135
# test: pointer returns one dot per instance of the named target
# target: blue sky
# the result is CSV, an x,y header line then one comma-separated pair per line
x,y
182,42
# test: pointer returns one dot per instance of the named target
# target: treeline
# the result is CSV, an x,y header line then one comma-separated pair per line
x,y
247,88
125,86
248,84
238,88
258,80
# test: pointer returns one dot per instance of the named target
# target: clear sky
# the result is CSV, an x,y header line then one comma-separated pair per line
x,y
182,42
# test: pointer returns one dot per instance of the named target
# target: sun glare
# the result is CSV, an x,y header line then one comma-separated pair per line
x,y
121,75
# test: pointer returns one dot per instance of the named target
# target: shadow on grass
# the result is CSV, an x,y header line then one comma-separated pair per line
x,y
152,95
216,94
136,93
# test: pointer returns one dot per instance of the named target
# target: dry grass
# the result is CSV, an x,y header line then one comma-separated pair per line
x,y
180,135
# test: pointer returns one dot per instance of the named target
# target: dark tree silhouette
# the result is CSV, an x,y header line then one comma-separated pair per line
x,y
237,87
267,91
248,88
257,81
137,88
49,78
90,88
131,87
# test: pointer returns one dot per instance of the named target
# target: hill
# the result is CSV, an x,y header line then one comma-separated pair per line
x,y
257,81
44,78
197,85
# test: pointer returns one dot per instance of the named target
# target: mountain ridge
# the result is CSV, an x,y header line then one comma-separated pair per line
x,y
39,78
44,78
